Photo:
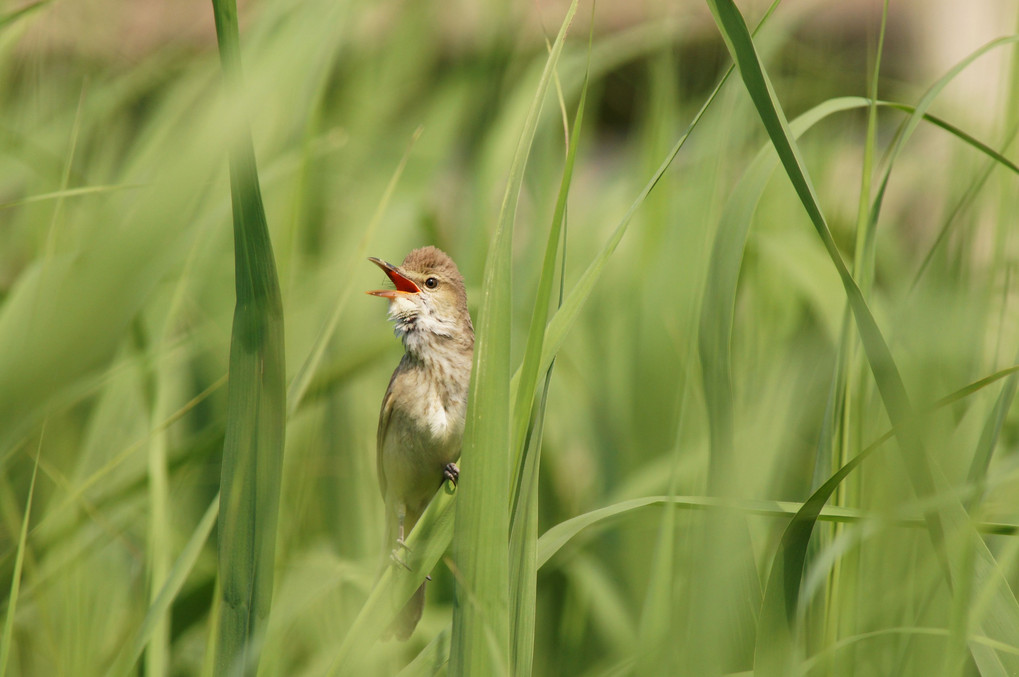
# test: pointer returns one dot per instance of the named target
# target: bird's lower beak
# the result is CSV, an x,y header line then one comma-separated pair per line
x,y
404,285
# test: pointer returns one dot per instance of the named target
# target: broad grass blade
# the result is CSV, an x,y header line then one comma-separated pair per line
x,y
256,398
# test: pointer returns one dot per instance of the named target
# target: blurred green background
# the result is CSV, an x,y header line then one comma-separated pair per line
x,y
116,297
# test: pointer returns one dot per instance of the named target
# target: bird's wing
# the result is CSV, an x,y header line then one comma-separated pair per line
x,y
384,416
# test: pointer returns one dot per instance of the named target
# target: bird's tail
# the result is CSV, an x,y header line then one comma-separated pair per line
x,y
403,625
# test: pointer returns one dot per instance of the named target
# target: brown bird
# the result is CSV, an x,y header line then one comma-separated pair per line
x,y
422,420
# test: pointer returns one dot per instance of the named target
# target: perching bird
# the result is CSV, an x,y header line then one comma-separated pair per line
x,y
422,420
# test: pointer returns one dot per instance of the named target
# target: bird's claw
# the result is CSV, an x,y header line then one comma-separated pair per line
x,y
451,473
395,556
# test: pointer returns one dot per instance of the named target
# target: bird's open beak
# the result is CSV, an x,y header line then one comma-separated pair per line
x,y
403,284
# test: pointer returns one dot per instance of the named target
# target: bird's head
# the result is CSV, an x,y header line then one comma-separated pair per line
x,y
429,299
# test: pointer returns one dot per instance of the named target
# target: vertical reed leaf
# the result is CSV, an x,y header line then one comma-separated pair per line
x,y
481,628
527,447
256,399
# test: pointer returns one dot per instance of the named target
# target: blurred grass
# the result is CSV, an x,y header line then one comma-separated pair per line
x,y
116,293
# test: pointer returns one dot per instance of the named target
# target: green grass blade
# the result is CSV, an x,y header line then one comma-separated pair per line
x,y
256,398
530,368
432,659
553,540
1002,623
175,580
718,308
481,627
19,560
773,652
918,113
960,207
527,447
15,15
992,431
426,544
567,314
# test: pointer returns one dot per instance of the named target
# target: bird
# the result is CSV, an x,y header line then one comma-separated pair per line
x,y
423,412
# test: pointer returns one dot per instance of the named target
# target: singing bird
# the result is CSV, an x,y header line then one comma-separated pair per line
x,y
422,419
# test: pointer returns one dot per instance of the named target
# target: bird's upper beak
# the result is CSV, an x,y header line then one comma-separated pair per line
x,y
404,285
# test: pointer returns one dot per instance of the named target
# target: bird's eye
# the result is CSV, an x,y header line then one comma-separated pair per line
x,y
431,283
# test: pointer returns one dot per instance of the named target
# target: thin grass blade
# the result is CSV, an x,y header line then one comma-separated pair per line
x,y
19,561
527,445
426,545
568,312
481,624
175,580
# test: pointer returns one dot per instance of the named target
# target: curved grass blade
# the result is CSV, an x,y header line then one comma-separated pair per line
x,y
717,311
1002,624
553,540
256,397
918,113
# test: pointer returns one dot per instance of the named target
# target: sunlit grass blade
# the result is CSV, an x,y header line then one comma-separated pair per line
x,y
19,561
256,397
774,650
175,579
1003,619
426,544
481,623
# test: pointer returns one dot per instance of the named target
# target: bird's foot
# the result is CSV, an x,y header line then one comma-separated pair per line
x,y
451,473
396,555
